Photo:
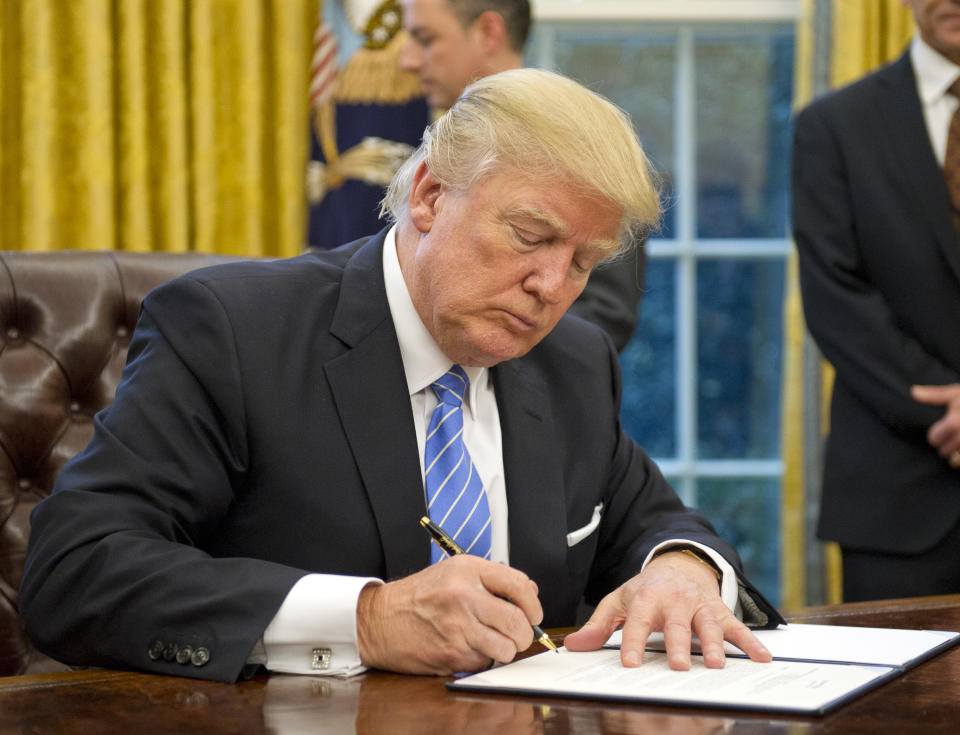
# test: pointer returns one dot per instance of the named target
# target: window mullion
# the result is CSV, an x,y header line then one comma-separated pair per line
x,y
686,343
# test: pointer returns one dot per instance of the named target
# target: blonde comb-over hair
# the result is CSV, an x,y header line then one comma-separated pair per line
x,y
548,128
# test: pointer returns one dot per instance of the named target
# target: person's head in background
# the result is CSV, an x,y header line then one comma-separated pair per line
x,y
454,42
938,22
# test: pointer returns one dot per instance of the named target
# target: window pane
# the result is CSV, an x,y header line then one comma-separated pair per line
x,y
746,512
636,71
744,88
739,345
649,365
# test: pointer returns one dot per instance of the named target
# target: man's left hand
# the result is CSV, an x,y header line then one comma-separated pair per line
x,y
675,594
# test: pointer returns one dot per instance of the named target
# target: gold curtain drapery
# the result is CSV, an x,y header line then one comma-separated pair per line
x,y
867,35
863,36
793,533
165,125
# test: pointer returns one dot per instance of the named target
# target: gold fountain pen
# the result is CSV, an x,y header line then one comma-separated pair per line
x,y
450,546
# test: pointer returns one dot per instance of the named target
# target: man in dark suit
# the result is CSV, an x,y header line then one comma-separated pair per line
x,y
880,275
452,43
253,494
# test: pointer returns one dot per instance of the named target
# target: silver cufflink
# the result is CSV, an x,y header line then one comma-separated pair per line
x,y
321,659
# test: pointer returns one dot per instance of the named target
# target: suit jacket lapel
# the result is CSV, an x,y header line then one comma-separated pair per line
x,y
535,487
900,110
369,378
371,395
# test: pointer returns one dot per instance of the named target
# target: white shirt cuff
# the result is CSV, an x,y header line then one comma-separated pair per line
x,y
729,586
315,629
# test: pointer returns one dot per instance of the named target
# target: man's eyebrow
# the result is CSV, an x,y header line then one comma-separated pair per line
x,y
559,227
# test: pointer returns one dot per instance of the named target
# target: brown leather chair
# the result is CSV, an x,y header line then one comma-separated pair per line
x,y
65,324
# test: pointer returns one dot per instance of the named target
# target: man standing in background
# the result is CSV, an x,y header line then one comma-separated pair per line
x,y
454,42
876,228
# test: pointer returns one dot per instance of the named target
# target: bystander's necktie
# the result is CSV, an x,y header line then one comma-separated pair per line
x,y
951,162
456,500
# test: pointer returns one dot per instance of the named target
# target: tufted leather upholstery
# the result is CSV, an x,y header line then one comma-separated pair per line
x,y
65,324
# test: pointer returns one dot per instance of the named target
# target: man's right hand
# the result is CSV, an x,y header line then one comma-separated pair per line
x,y
457,615
944,435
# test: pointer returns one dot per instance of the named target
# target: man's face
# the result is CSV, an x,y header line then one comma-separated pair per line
x,y
939,24
445,55
491,270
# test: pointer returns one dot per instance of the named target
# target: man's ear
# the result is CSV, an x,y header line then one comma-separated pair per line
x,y
492,31
424,196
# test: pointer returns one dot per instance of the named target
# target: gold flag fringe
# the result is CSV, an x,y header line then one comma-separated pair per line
x,y
325,123
373,160
373,76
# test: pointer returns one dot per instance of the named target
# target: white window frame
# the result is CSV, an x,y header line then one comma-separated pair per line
x,y
691,15
668,10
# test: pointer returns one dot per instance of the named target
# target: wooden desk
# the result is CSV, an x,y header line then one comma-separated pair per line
x,y
924,700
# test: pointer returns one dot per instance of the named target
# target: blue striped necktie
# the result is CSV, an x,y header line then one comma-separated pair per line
x,y
456,500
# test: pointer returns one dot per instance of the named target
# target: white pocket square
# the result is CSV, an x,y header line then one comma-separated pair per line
x,y
575,537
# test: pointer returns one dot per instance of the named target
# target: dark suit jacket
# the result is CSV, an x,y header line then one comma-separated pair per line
x,y
880,277
263,430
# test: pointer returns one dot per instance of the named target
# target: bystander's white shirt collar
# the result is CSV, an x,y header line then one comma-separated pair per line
x,y
934,72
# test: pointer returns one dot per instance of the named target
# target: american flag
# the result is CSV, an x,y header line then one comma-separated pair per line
x,y
323,66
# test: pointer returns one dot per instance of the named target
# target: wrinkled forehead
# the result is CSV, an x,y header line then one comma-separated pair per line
x,y
539,203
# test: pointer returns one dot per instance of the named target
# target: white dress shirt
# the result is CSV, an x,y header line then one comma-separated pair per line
x,y
319,612
934,74
423,363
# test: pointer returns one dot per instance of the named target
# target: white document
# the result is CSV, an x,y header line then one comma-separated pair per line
x,y
784,686
837,643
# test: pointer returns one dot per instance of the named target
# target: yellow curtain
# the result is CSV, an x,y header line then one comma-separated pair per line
x,y
867,35
154,124
864,35
793,587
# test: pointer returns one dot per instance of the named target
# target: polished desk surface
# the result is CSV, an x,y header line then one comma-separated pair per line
x,y
923,700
